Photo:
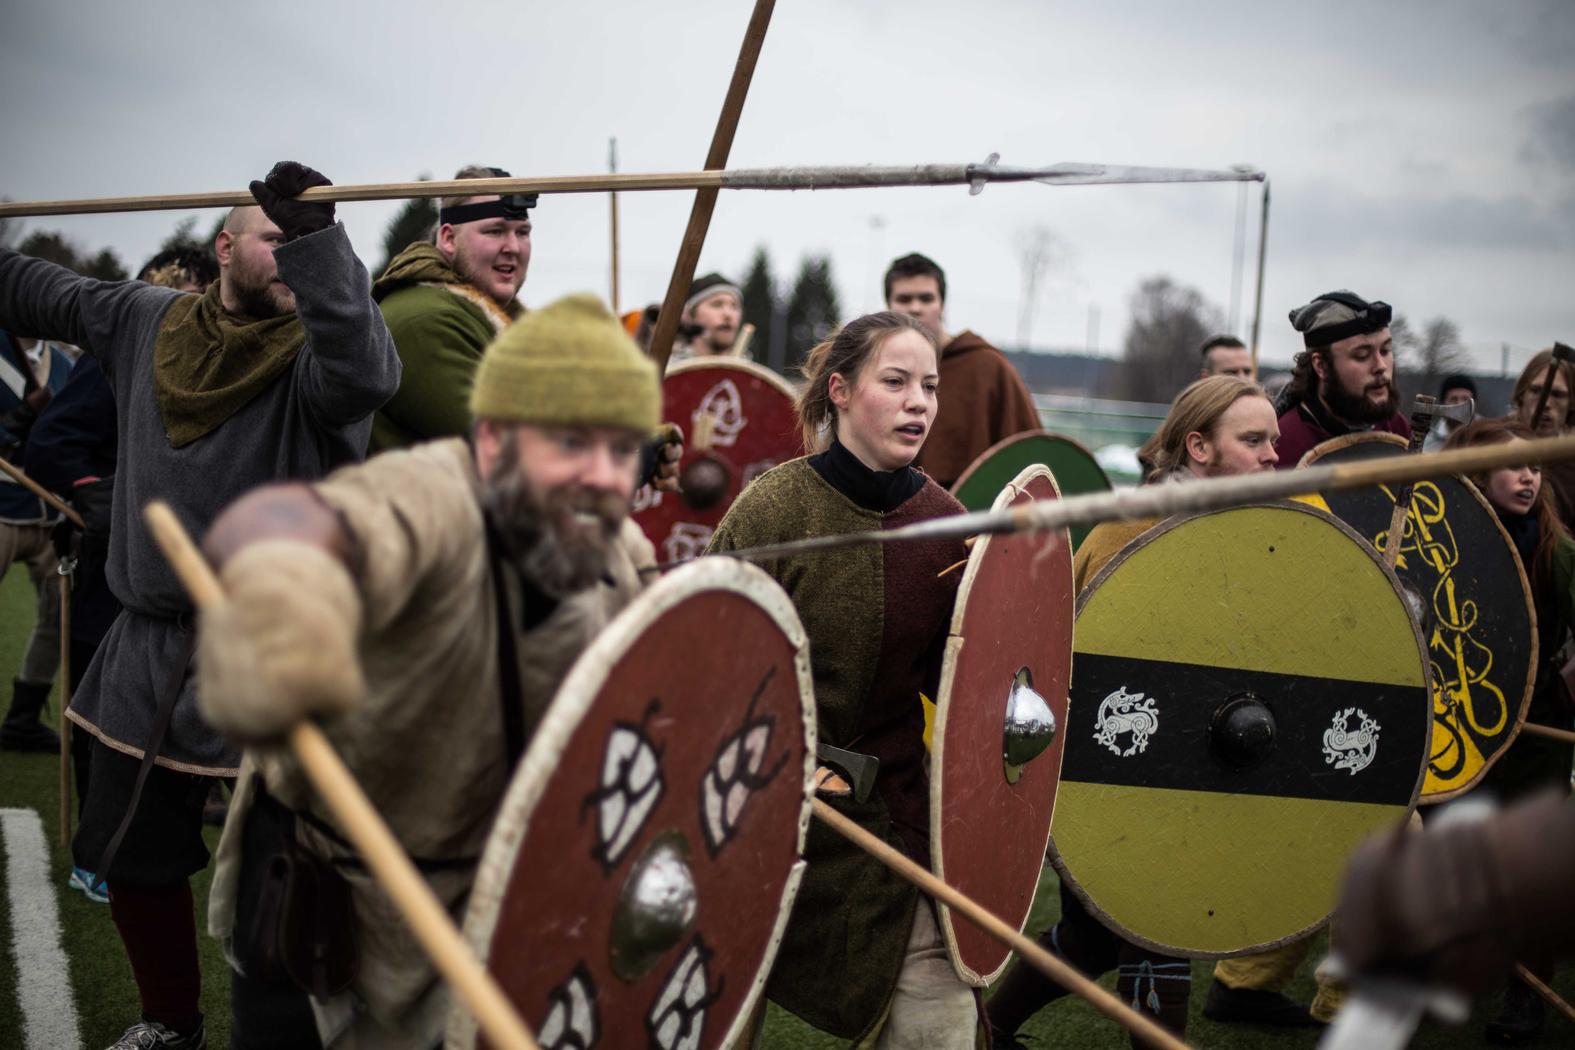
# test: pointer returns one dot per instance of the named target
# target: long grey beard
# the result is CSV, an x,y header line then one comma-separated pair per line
x,y
538,535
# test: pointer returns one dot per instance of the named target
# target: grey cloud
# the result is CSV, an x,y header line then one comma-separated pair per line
x,y
1552,135
1326,216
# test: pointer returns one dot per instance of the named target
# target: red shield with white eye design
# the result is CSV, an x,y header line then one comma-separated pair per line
x,y
647,852
739,422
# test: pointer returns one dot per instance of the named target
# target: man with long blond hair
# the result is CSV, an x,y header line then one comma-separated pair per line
x,y
1218,426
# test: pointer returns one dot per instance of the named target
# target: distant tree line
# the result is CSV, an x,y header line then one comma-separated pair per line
x,y
788,326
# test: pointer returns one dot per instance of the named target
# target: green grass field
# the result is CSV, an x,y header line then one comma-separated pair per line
x,y
106,998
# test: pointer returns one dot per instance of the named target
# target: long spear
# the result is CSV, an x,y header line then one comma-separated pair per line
x,y
835,177
1162,501
661,347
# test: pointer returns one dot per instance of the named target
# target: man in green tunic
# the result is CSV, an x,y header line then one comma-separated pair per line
x,y
444,300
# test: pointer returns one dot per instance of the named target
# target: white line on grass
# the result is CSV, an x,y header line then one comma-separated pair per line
x,y
43,986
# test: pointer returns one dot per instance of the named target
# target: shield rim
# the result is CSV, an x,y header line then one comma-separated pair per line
x,y
1345,441
1115,562
738,364
949,661
1023,435
563,717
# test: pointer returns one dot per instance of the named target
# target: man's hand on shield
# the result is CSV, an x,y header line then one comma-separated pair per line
x,y
283,647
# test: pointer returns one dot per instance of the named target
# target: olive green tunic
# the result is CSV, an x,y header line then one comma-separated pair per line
x,y
877,618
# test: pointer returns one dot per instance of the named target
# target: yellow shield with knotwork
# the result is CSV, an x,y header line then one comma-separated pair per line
x,y
1474,606
1248,704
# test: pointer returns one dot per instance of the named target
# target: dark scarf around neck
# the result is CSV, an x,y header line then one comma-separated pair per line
x,y
208,363
878,490
1525,532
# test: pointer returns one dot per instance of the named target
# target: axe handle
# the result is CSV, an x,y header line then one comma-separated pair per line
x,y
1397,527
65,702
42,493
428,920
1056,969
1547,388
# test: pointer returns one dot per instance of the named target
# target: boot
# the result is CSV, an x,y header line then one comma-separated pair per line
x,y
21,730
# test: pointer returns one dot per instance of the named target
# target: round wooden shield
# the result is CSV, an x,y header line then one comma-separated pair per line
x,y
1076,471
1479,620
646,855
997,740
739,422
1250,704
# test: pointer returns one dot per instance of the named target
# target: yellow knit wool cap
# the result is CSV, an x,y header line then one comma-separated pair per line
x,y
568,364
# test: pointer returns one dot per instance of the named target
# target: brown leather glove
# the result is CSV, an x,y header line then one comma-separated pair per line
x,y
1457,905
283,645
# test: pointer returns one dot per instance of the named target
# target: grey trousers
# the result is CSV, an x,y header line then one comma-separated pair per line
x,y
30,544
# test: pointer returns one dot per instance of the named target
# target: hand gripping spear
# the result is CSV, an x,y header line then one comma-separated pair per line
x,y
361,824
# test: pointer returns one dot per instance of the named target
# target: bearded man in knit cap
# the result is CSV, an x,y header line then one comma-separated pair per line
x,y
425,605
273,372
1344,381
444,300
712,318
983,400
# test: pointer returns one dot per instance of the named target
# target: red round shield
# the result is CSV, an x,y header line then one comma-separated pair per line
x,y
647,852
739,422
997,741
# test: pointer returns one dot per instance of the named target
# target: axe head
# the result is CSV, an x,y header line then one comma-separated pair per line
x,y
1459,413
1563,353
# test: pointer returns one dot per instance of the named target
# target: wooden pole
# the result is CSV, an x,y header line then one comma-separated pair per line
x,y
42,493
1205,494
65,702
375,844
1056,969
1562,735
661,347
1551,997
612,199
1263,250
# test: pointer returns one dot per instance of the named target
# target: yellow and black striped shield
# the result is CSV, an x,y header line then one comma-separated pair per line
x,y
1249,703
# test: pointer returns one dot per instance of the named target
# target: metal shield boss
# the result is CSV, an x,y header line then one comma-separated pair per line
x,y
645,858
1001,711
1250,703
1472,599
739,422
1076,471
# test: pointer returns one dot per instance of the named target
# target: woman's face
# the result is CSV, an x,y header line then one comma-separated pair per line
x,y
885,416
1514,489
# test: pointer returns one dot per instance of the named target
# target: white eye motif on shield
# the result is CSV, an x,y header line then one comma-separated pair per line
x,y
677,1018
736,773
631,784
571,1022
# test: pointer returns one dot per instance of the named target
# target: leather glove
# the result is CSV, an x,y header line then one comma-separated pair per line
x,y
283,645
94,500
275,193
659,458
1458,905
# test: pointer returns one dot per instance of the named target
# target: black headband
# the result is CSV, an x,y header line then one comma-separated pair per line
x,y
515,206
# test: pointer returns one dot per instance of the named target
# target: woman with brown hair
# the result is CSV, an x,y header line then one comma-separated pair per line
x,y
862,957
1525,507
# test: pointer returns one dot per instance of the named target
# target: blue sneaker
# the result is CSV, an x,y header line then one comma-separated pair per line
x,y
89,884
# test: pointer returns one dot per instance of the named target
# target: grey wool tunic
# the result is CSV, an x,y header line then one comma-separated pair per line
x,y
317,415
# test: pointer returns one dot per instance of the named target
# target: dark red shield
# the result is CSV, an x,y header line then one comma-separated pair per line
x,y
648,850
1008,665
739,422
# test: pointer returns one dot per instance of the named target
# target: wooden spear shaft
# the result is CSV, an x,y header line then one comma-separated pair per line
x,y
42,493
361,824
1056,969
65,702
705,199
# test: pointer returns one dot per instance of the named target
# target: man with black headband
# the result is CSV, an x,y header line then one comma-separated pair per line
x,y
444,300
1345,380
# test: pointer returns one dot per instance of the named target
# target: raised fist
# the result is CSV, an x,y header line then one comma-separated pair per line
x,y
276,194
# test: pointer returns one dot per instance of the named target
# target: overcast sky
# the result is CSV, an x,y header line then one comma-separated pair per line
x,y
1419,152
